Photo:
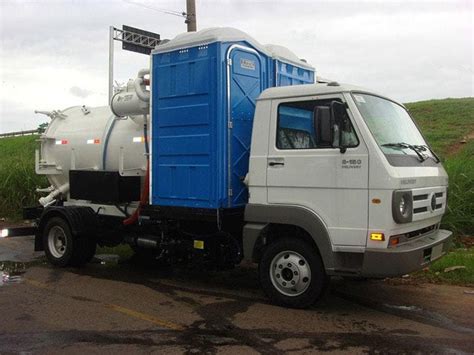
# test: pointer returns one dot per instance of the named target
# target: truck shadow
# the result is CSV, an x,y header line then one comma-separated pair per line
x,y
236,292
241,285
238,283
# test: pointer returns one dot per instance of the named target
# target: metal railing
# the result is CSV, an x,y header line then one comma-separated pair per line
x,y
19,133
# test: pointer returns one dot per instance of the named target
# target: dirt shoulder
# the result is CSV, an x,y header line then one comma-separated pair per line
x,y
455,148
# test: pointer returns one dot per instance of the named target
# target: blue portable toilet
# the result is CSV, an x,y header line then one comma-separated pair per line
x,y
204,88
287,68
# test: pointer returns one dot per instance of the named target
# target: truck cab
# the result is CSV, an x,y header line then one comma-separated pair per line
x,y
345,173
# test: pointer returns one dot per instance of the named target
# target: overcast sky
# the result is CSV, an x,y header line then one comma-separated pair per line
x,y
54,54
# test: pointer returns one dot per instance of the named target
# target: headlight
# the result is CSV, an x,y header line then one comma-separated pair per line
x,y
402,206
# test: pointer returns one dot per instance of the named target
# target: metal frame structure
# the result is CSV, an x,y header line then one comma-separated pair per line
x,y
117,34
134,38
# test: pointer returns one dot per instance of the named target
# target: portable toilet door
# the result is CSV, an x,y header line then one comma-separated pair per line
x,y
245,82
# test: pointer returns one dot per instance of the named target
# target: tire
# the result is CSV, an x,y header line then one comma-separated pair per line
x,y
62,248
292,274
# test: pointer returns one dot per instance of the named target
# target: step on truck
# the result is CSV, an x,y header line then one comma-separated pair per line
x,y
227,150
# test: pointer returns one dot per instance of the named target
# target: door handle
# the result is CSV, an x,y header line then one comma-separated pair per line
x,y
275,163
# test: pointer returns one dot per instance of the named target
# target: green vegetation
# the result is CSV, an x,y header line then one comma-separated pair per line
x,y
124,251
457,257
18,180
460,215
445,124
448,125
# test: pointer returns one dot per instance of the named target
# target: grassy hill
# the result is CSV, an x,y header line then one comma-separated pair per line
x,y
448,125
445,123
18,180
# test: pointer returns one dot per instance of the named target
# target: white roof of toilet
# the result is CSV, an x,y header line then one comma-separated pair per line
x,y
228,34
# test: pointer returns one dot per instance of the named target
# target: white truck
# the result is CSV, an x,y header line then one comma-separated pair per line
x,y
353,198
335,180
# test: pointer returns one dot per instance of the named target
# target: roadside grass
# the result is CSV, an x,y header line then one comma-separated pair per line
x,y
123,251
18,180
445,123
460,215
457,257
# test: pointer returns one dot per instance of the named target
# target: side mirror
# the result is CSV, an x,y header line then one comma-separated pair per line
x,y
323,126
340,119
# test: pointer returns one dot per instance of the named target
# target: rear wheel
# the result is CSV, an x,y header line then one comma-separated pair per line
x,y
291,273
62,248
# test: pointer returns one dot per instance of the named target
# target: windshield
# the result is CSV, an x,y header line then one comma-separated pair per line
x,y
392,127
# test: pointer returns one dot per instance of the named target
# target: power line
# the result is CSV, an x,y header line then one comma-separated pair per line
x,y
169,12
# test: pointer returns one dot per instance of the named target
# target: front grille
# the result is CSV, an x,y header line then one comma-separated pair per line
x,y
420,209
403,238
420,232
420,197
428,202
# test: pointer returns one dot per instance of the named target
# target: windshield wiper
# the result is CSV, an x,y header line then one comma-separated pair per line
x,y
427,147
416,148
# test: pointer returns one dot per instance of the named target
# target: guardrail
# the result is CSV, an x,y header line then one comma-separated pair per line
x,y
18,133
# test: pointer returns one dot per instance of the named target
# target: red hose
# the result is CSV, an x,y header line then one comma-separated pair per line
x,y
143,199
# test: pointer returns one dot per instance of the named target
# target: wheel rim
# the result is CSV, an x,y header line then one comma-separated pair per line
x,y
57,241
290,273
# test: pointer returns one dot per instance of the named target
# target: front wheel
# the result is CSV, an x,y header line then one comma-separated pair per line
x,y
291,273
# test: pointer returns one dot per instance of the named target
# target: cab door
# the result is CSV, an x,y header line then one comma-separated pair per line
x,y
304,172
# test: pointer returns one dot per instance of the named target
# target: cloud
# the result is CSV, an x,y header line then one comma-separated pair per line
x,y
79,92
54,54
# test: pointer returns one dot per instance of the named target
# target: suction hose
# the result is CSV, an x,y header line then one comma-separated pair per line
x,y
143,199
146,184
140,83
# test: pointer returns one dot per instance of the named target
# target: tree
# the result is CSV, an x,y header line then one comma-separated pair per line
x,y
42,127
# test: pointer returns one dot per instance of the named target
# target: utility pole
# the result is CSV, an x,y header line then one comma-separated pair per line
x,y
111,62
191,15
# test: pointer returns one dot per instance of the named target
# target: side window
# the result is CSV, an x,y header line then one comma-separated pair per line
x,y
296,126
344,133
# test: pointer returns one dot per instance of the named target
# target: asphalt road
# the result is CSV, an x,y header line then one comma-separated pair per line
x,y
125,308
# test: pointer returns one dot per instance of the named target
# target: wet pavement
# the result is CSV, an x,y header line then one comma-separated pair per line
x,y
110,307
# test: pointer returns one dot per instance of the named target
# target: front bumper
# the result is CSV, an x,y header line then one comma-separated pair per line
x,y
407,257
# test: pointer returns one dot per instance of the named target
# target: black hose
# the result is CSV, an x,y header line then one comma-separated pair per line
x,y
145,136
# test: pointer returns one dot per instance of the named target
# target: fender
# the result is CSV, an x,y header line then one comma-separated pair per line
x,y
81,220
259,216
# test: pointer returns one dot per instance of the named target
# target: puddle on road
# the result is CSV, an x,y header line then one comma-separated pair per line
x,y
11,272
404,308
407,311
9,278
431,316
